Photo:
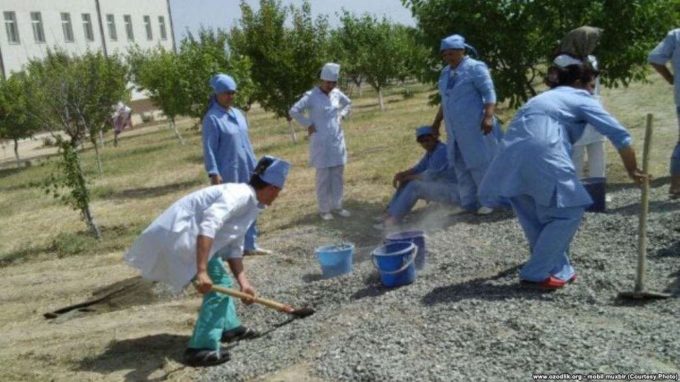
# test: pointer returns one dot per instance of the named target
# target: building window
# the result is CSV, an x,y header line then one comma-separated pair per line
x,y
161,26
11,27
112,27
67,27
38,30
128,27
87,27
147,25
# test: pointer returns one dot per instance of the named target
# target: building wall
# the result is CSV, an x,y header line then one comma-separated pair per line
x,y
15,56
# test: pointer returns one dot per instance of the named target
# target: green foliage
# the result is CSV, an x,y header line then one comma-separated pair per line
x,y
69,184
285,61
516,38
15,121
201,58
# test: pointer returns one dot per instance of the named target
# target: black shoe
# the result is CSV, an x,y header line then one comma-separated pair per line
x,y
205,357
238,334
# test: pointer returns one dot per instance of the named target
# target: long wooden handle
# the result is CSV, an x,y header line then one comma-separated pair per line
x,y
263,301
644,208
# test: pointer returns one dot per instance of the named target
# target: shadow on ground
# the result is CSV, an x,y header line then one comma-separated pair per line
x,y
481,289
143,356
152,192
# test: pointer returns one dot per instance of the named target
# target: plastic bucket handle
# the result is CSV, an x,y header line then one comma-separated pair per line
x,y
410,261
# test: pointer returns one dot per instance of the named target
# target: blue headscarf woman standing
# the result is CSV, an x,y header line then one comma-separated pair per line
x,y
227,152
468,101
534,170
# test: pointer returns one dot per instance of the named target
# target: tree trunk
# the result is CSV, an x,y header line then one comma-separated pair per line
x,y
99,159
381,100
292,131
16,152
176,130
91,224
101,138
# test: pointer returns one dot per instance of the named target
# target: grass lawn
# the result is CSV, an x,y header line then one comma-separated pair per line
x,y
46,255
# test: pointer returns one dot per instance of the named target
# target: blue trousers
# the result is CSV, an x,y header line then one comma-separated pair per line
x,y
407,195
549,231
249,242
468,181
218,312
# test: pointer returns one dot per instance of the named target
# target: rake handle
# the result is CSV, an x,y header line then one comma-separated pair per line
x,y
262,301
644,209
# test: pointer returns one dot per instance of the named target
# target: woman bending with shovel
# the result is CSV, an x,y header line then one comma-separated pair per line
x,y
533,168
181,243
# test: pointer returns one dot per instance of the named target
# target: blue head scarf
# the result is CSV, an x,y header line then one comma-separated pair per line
x,y
456,41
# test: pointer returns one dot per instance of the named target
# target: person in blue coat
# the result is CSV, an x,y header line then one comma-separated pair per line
x,y
468,101
669,50
431,179
534,169
227,152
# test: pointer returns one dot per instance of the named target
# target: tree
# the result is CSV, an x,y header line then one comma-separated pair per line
x,y
375,50
15,121
285,61
516,38
73,95
159,73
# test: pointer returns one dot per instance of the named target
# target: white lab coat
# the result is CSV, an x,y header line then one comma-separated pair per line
x,y
166,250
327,145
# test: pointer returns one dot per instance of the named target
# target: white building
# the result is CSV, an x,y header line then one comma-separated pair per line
x,y
76,26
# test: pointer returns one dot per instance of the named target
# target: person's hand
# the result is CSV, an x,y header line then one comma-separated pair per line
x,y
311,129
203,282
487,125
639,177
215,179
247,288
395,180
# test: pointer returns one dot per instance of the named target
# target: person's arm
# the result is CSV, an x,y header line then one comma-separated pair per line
x,y
665,73
211,140
298,110
630,163
237,269
481,77
203,246
436,124
345,105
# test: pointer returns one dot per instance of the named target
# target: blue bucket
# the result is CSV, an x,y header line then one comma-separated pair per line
x,y
395,263
335,259
596,187
417,238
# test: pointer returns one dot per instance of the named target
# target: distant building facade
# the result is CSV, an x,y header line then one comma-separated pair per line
x,y
31,27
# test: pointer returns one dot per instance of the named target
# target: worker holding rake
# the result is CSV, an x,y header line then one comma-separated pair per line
x,y
181,245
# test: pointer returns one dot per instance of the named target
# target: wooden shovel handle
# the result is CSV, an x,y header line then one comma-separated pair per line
x,y
263,301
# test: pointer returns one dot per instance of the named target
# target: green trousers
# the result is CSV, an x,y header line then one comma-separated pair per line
x,y
218,312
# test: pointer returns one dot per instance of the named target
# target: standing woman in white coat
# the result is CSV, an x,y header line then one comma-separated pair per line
x,y
181,245
321,110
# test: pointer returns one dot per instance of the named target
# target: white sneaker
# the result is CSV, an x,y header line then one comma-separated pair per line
x,y
326,216
484,211
343,212
258,251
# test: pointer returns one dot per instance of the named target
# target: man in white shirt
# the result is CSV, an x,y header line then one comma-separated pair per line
x,y
181,243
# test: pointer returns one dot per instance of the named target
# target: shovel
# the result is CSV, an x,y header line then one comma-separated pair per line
x,y
639,293
299,313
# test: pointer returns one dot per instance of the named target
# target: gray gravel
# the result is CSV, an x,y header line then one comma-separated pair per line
x,y
466,317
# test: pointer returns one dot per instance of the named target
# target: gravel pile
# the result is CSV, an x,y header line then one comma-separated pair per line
x,y
466,317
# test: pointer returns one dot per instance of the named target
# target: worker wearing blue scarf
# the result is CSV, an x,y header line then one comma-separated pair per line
x,y
468,102
533,168
227,152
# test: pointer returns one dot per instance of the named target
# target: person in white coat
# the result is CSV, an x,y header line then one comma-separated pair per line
x,y
180,245
325,106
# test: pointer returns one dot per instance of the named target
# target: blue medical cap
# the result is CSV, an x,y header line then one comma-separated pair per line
x,y
221,83
424,130
276,173
455,41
